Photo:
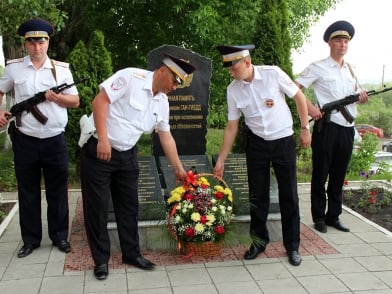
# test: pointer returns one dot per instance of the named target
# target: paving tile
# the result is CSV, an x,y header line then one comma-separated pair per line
x,y
322,284
25,286
186,277
384,248
62,285
114,283
307,268
287,285
194,289
27,271
374,237
239,287
342,265
229,274
375,263
361,281
147,280
261,272
385,276
362,249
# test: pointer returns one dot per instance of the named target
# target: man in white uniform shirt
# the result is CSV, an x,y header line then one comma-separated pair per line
x,y
258,93
130,103
332,141
40,147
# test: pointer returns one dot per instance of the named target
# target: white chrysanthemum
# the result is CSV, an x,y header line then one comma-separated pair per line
x,y
195,217
199,228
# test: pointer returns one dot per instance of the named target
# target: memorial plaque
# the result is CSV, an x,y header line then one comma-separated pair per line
x,y
188,103
236,176
199,162
149,190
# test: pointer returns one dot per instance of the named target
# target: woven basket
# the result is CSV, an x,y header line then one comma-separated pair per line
x,y
208,248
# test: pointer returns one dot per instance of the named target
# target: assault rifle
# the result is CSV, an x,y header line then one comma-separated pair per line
x,y
340,105
30,105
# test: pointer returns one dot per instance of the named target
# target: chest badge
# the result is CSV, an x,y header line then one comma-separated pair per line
x,y
269,103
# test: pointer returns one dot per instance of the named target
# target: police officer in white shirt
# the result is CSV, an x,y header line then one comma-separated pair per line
x,y
130,103
332,142
258,93
39,146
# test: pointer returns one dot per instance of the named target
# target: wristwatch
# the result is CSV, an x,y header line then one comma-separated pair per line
x,y
305,127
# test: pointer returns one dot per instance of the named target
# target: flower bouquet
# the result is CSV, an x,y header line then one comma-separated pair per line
x,y
198,214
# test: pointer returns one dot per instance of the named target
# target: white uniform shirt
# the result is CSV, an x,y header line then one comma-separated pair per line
x,y
133,109
26,80
331,82
262,102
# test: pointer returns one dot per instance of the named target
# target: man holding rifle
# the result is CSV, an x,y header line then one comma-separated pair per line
x,y
332,138
39,145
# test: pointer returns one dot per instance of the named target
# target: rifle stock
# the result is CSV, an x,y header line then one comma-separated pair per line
x,y
30,105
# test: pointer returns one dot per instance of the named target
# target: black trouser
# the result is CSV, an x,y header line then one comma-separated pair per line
x,y
33,155
331,152
260,154
100,179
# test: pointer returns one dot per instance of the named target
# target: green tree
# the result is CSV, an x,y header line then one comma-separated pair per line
x,y
133,28
93,61
14,13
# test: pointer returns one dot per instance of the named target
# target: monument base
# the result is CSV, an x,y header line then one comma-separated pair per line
x,y
154,235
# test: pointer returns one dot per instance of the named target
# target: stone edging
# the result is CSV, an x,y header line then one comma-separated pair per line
x,y
9,216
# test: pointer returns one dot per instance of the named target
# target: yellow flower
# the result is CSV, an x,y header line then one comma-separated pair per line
x,y
175,195
199,228
211,219
229,194
195,217
219,188
203,180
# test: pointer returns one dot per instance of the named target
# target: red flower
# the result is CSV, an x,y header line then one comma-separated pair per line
x,y
373,193
219,230
203,186
219,195
372,200
188,196
345,183
203,219
191,179
189,232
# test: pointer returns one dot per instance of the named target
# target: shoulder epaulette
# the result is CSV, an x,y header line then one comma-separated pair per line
x,y
268,66
14,60
60,63
139,75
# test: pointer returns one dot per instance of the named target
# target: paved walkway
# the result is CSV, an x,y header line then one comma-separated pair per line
x,y
362,264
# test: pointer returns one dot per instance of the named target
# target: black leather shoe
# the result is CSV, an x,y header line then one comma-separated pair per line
x,y
63,245
253,251
26,249
338,225
101,271
139,262
320,226
294,258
